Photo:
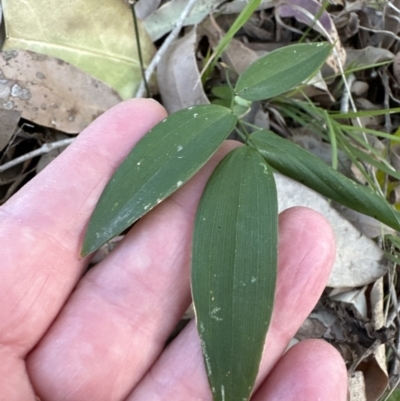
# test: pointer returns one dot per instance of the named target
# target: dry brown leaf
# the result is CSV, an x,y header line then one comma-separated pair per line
x,y
396,67
10,175
12,178
368,226
316,88
9,120
237,55
145,8
51,92
362,340
260,28
179,77
320,324
96,37
347,23
376,379
391,24
236,6
164,19
359,260
356,298
375,372
357,387
7,192
367,56
305,11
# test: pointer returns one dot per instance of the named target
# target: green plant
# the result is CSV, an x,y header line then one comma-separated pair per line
x,y
235,237
350,139
395,396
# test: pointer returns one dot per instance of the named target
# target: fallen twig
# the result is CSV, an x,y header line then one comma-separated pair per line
x,y
46,148
156,59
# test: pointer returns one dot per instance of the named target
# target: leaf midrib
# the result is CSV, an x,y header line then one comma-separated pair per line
x,y
283,72
75,48
238,212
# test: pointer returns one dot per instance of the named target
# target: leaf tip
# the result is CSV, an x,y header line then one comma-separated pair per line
x,y
91,243
87,248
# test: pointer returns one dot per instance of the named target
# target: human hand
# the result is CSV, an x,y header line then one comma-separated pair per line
x,y
101,336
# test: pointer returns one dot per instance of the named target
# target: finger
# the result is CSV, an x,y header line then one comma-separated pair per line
x,y
42,226
306,253
117,321
311,370
14,381
41,230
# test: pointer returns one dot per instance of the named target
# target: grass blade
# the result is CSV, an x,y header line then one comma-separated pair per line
x,y
301,165
242,18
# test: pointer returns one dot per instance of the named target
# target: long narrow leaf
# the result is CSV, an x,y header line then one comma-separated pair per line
x,y
374,132
281,70
365,113
234,270
242,18
165,158
374,158
301,165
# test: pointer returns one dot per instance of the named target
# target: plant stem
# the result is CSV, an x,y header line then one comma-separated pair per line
x,y
139,47
228,81
241,134
246,133
256,127
242,18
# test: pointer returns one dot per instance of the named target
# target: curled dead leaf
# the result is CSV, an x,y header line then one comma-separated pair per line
x,y
164,19
236,6
367,56
179,77
305,11
237,55
9,120
396,67
145,8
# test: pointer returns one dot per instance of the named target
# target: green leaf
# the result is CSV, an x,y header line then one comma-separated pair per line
x,y
301,165
222,92
281,70
364,113
165,158
97,37
234,270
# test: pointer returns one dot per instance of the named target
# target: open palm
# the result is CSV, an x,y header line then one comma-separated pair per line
x,y
66,335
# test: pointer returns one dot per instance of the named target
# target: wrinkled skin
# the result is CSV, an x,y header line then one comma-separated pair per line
x,y
100,336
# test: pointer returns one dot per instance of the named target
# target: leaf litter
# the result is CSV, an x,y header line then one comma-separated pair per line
x,y
83,34
51,92
358,311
